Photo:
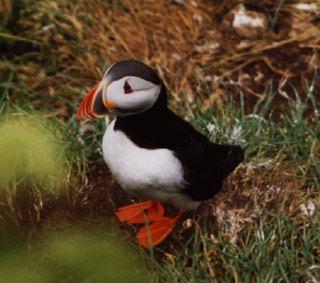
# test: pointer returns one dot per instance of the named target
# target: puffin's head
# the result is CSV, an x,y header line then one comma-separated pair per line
x,y
127,88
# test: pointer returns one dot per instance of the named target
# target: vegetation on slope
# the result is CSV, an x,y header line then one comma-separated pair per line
x,y
260,91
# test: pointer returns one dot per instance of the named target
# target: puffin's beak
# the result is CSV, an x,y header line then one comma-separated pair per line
x,y
93,105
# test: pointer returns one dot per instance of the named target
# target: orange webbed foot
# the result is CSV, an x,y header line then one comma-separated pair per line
x,y
152,235
140,213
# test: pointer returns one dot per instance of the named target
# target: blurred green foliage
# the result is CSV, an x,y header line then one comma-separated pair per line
x,y
72,256
31,153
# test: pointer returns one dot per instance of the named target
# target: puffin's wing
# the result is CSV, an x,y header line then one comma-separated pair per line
x,y
205,164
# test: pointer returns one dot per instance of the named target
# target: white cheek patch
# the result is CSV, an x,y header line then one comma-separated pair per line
x,y
139,99
144,94
137,83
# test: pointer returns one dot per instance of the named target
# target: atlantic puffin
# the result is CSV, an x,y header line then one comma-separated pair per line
x,y
152,152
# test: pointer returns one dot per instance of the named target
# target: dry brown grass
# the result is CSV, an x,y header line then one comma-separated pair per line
x,y
194,47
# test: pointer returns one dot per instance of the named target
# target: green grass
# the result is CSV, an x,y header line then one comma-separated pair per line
x,y
286,252
293,137
279,245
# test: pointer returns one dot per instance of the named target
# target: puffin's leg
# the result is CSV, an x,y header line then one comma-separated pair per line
x,y
152,235
140,213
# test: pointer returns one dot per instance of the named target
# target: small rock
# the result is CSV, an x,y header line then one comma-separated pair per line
x,y
307,209
212,129
306,7
246,23
197,18
187,224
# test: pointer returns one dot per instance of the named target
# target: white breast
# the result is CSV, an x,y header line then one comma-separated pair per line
x,y
155,173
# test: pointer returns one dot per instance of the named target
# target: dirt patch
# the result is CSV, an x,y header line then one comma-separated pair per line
x,y
244,196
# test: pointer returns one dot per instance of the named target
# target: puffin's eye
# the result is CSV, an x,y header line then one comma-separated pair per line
x,y
127,88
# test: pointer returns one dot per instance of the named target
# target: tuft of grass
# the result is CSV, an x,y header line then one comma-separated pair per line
x,y
40,164
293,137
276,249
31,154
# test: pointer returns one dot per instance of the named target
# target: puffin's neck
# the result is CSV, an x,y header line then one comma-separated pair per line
x,y
145,120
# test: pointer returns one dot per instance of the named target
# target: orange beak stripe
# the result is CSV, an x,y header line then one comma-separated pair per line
x,y
85,109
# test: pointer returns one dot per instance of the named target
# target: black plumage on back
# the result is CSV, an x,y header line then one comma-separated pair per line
x,y
205,164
